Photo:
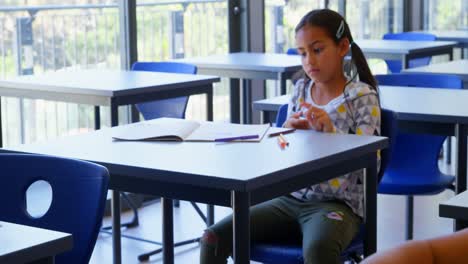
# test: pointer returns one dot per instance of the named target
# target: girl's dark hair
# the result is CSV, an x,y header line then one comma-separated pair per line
x,y
337,29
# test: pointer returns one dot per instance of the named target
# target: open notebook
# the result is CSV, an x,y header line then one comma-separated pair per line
x,y
173,129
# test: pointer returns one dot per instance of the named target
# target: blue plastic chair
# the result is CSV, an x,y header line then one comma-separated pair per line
x,y
292,51
281,115
172,107
395,65
79,191
276,253
413,169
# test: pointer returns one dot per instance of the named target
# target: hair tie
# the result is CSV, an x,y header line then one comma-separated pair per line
x,y
340,30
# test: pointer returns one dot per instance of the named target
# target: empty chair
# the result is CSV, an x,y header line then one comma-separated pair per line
x,y
172,107
292,51
395,65
79,191
413,169
291,253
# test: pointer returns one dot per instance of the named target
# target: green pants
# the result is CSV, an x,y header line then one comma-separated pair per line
x,y
326,229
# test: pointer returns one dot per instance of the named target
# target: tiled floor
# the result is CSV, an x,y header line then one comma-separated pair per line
x,y
390,225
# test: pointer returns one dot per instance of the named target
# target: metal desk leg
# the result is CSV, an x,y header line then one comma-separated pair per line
x,y
404,62
97,117
460,133
246,101
370,186
241,227
168,231
235,100
282,82
1,134
209,105
116,243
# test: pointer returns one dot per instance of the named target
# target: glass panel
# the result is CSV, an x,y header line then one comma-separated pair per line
x,y
446,15
180,29
42,36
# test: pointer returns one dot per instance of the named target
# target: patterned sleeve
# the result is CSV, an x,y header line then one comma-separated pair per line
x,y
295,97
367,114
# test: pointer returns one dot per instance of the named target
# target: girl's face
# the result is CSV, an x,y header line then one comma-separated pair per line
x,y
322,58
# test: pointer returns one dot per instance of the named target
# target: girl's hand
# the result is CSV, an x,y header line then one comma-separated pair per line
x,y
318,119
295,121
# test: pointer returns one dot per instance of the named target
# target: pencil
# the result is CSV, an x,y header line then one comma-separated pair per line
x,y
283,138
275,134
282,142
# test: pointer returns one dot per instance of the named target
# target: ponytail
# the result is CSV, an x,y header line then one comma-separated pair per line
x,y
363,70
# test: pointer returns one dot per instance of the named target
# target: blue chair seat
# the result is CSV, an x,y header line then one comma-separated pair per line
x,y
292,253
416,185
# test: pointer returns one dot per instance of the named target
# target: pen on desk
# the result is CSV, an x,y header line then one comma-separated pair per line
x,y
282,132
282,141
227,139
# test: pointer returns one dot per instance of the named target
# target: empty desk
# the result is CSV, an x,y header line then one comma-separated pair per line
x,y
245,65
108,88
404,50
457,67
456,208
26,244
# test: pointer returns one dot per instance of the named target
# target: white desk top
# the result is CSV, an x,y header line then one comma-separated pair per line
x,y
449,35
428,104
20,243
228,164
274,62
107,83
400,46
457,67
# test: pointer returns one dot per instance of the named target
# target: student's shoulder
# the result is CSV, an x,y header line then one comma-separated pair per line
x,y
359,89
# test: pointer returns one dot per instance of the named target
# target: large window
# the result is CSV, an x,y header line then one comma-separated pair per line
x,y
180,29
39,36
55,35
446,15
366,18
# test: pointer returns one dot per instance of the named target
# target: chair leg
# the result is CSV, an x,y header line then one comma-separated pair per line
x,y
135,220
448,152
409,217
208,219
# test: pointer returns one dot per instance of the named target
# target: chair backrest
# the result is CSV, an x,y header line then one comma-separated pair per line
x,y
281,115
79,191
420,80
292,51
415,155
395,65
172,107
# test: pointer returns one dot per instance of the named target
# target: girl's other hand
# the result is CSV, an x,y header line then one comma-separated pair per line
x,y
295,121
318,119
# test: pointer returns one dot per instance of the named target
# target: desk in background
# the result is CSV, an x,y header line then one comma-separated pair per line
x,y
459,36
244,65
26,244
107,88
456,208
235,175
404,50
457,67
